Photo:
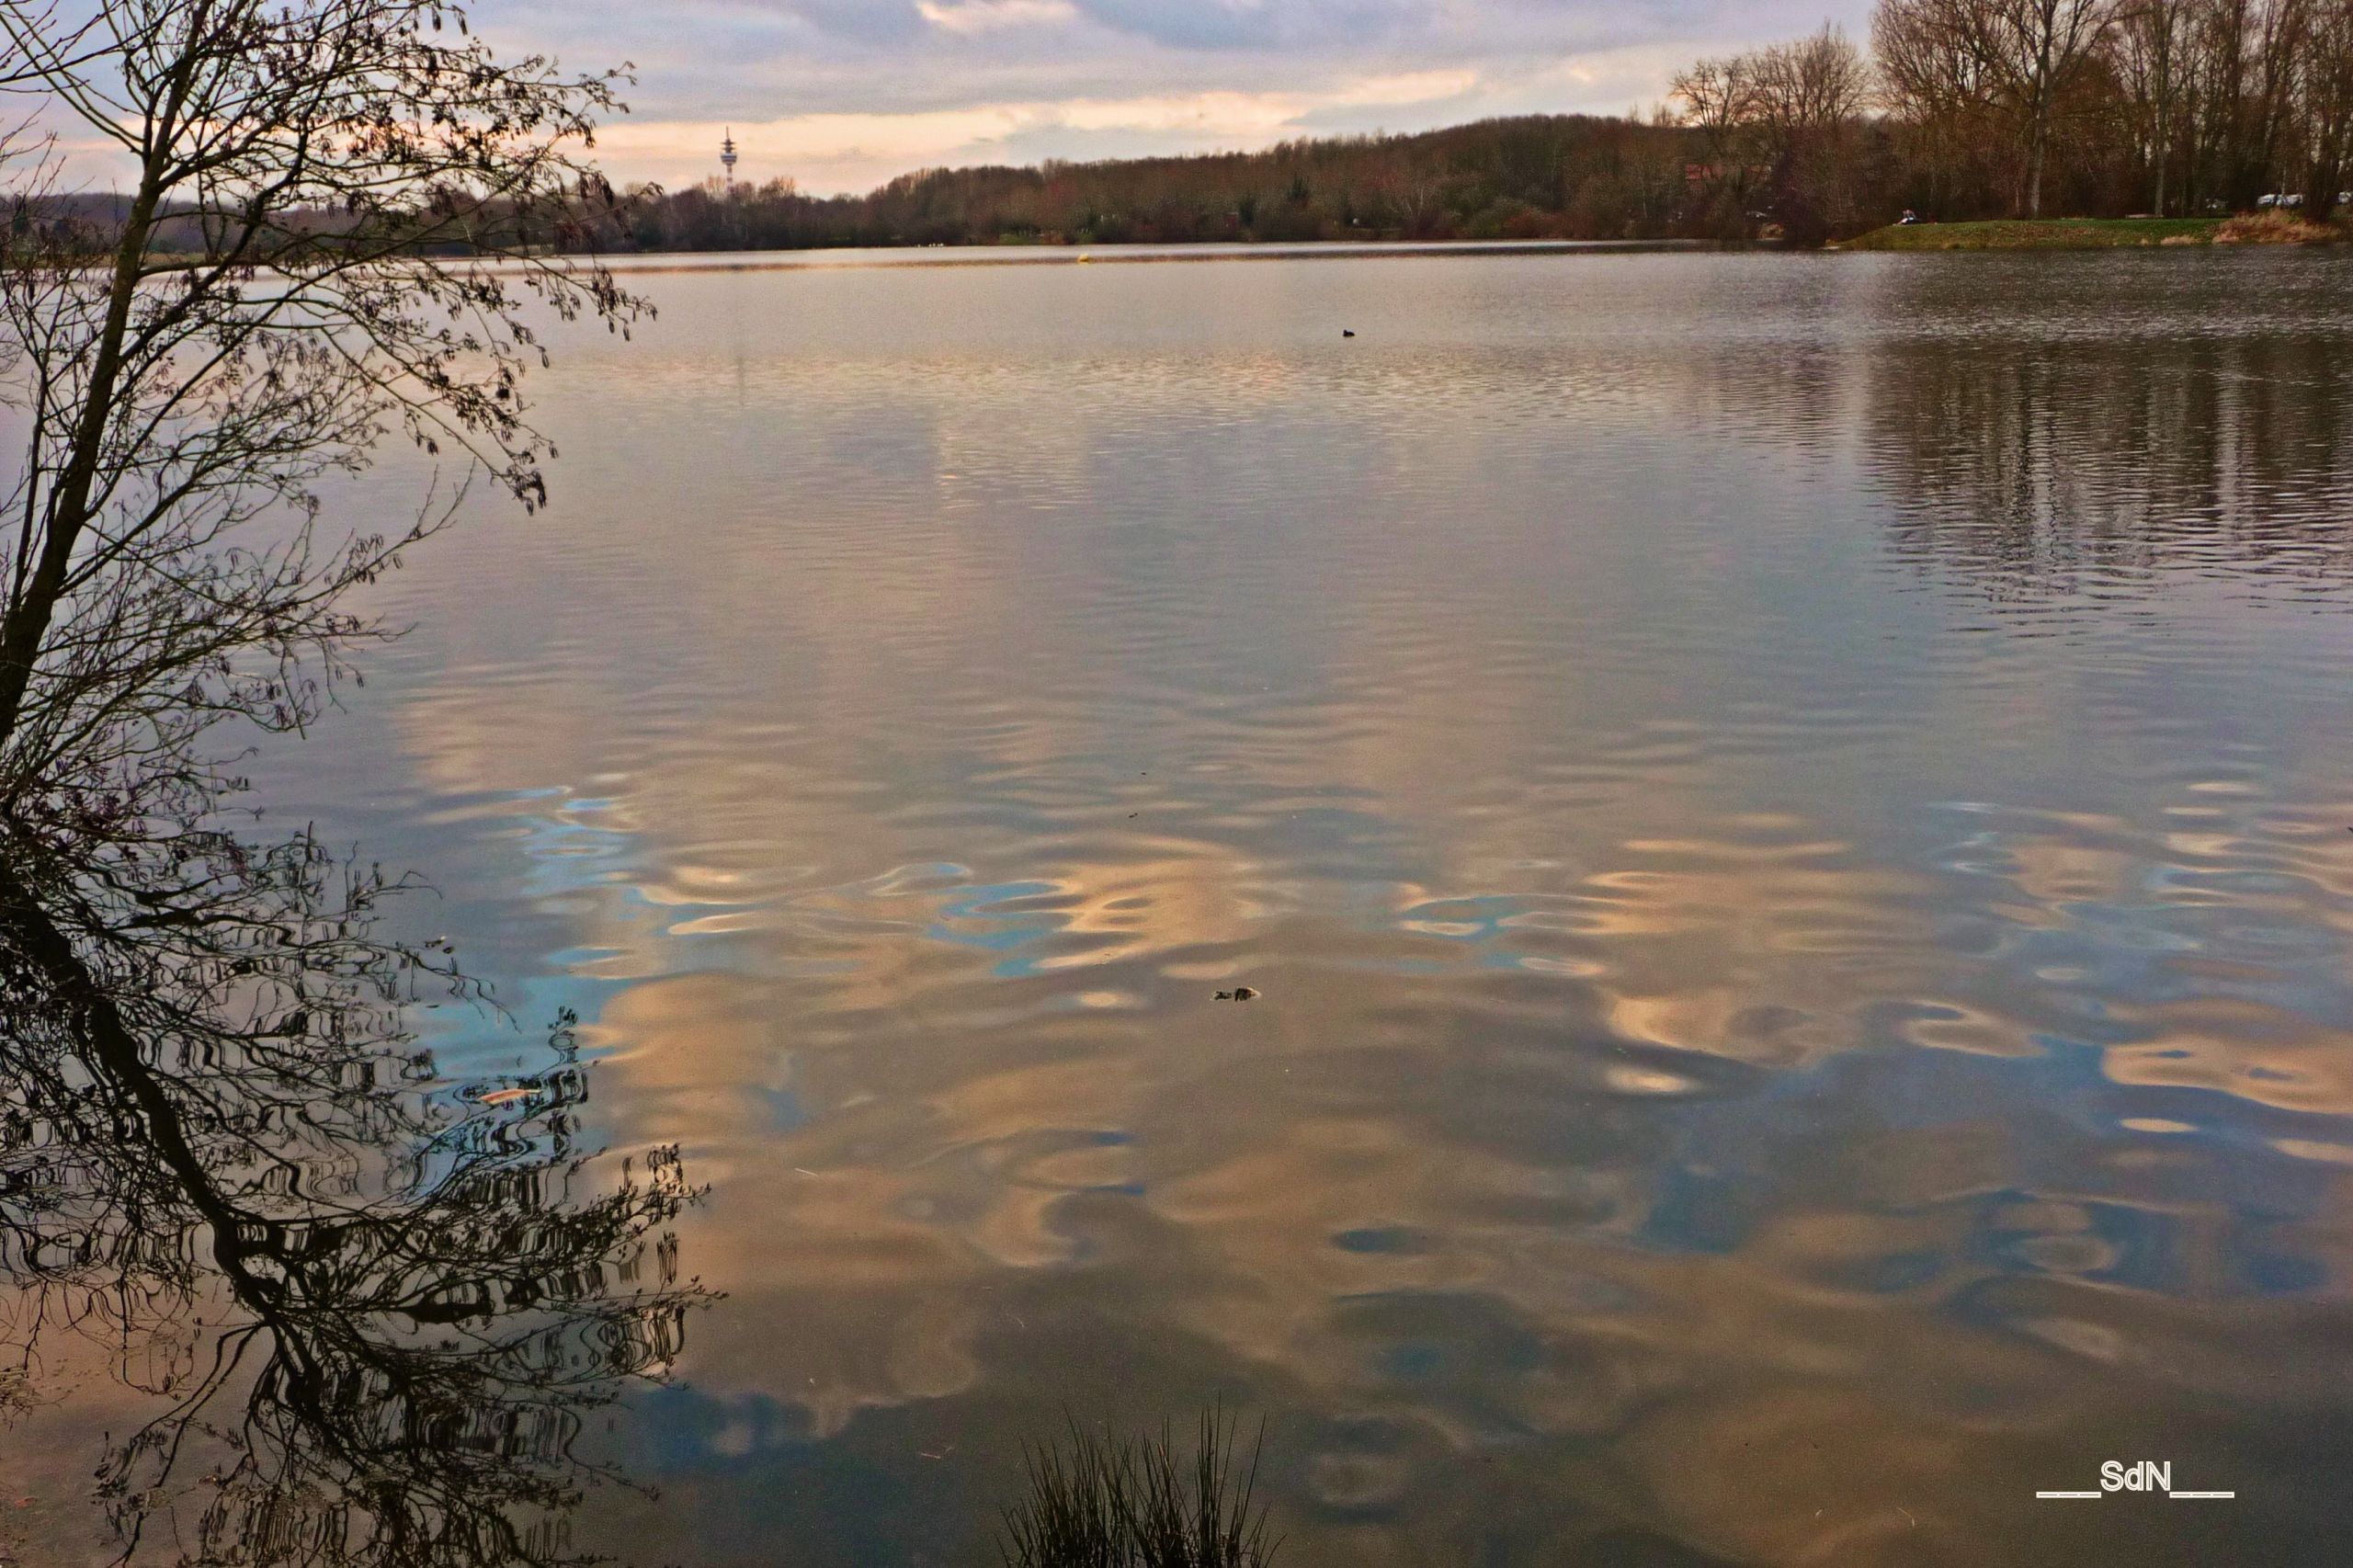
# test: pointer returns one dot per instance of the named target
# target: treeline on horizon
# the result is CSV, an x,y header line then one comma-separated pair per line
x,y
1960,109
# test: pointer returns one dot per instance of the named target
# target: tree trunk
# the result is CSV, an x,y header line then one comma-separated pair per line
x,y
2037,149
2321,185
29,619
2164,153
2039,136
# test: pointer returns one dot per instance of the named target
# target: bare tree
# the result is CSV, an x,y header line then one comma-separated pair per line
x,y
2220,45
2011,56
1406,187
1818,84
1783,116
1809,98
330,237
2283,30
1717,99
2246,70
2325,100
2033,46
2152,45
1937,87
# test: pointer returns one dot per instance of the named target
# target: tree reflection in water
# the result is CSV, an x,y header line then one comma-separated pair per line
x,y
2028,475
374,1319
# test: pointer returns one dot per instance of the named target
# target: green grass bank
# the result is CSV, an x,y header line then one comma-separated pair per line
x,y
2104,234
2043,234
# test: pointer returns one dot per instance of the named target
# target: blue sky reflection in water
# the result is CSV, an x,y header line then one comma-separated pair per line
x,y
1789,815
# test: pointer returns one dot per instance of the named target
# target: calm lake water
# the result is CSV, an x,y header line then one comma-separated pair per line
x,y
1789,815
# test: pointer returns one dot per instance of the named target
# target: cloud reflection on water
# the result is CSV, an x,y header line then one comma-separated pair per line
x,y
1766,1054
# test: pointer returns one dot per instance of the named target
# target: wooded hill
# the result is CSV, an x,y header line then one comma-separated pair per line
x,y
1552,175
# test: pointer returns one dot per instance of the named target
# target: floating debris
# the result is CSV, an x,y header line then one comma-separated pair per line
x,y
1239,994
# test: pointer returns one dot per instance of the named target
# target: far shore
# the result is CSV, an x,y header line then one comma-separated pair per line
x,y
2099,234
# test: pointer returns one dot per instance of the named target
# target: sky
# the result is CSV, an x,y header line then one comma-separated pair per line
x,y
841,95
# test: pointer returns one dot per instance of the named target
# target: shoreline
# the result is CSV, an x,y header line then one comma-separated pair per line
x,y
1129,254
2096,233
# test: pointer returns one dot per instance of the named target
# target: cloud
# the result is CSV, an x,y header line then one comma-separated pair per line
x,y
844,94
969,17
853,150
866,21
1259,24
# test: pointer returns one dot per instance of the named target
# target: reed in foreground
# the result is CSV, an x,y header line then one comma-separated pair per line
x,y
1096,1501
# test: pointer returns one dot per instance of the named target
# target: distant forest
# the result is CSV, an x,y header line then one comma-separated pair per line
x,y
1540,176
1960,109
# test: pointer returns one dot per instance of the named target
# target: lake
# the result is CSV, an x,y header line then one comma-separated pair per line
x,y
1788,817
